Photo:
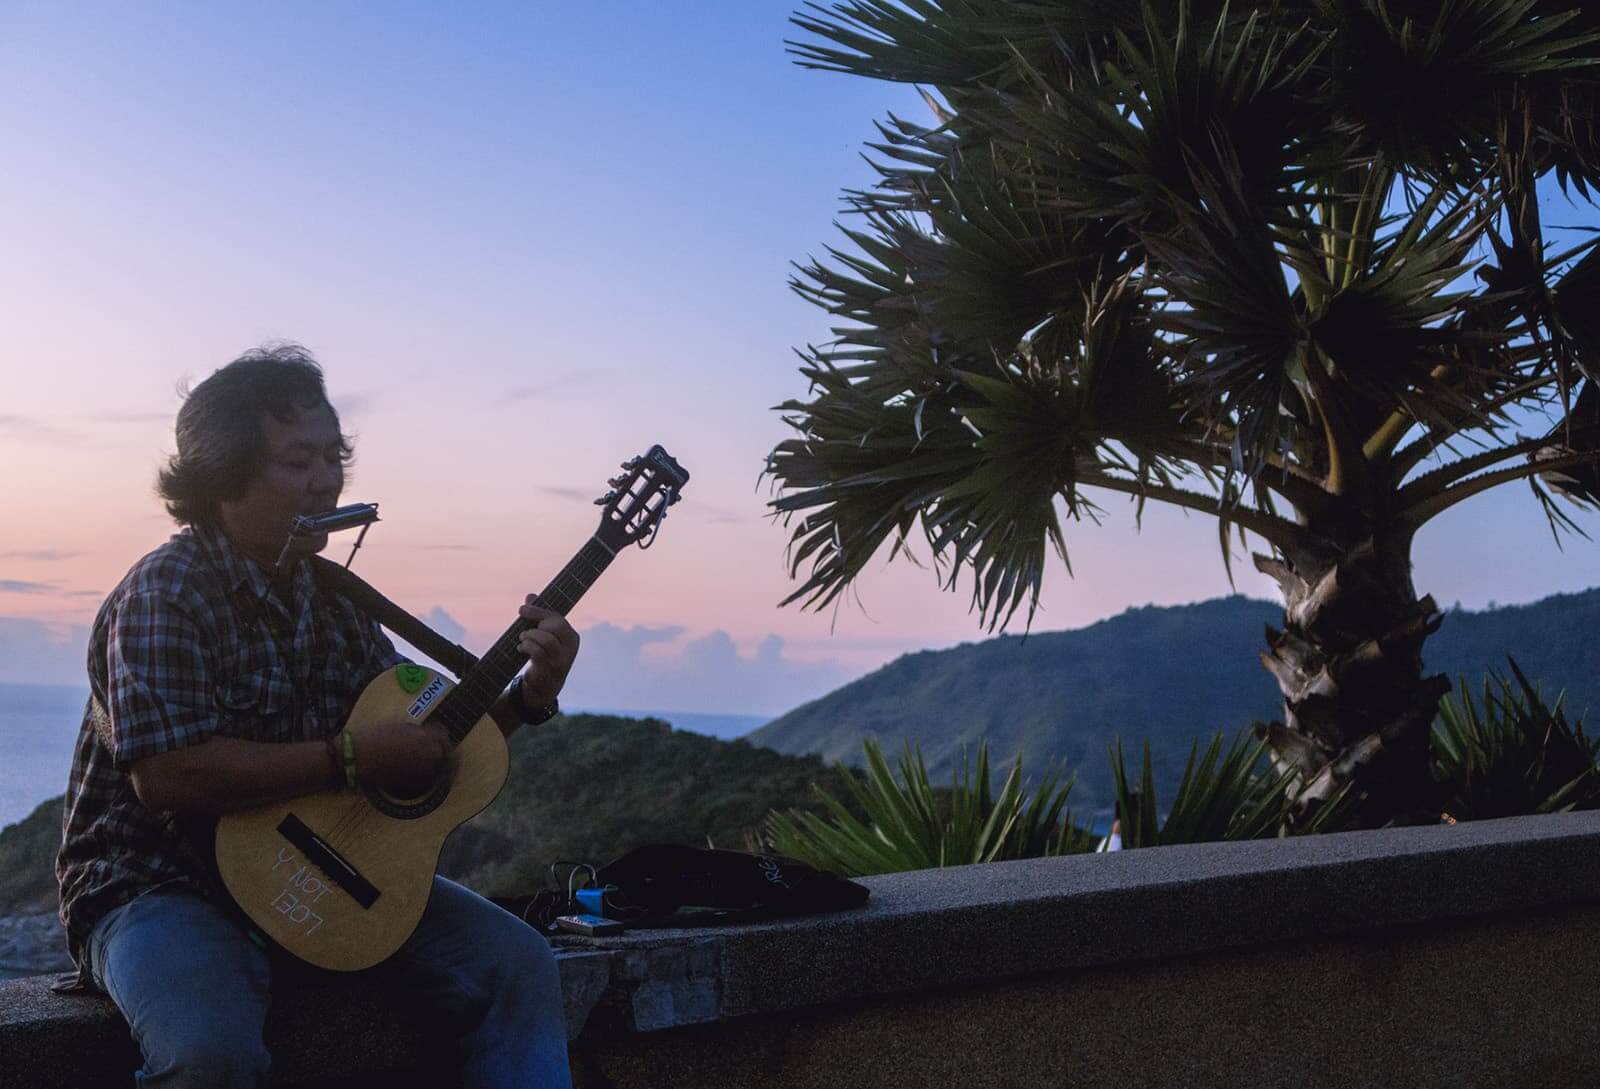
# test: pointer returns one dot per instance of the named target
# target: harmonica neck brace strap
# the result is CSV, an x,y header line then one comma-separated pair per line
x,y
340,580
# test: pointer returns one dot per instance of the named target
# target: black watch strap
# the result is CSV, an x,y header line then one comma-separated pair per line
x,y
530,716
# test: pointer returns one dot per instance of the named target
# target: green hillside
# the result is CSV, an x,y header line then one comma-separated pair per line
x,y
1168,675
586,788
28,860
595,786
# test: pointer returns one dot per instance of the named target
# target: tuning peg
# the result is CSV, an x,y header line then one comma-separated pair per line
x,y
631,464
606,498
618,480
674,499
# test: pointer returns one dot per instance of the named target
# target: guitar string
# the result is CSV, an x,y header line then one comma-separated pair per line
x,y
343,824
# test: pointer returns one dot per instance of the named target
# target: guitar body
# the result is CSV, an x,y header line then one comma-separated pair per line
x,y
340,879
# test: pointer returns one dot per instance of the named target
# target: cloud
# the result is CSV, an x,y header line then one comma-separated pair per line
x,y
354,404
136,417
642,668
576,495
443,623
41,555
626,644
23,586
32,652
30,427
717,515
557,383
654,669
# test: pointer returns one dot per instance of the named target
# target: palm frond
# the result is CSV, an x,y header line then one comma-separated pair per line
x,y
1400,316
981,460
1423,82
941,43
1126,129
1235,334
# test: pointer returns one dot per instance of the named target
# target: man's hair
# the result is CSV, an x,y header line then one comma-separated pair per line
x,y
222,444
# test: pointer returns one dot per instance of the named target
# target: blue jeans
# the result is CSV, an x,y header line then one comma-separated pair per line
x,y
195,990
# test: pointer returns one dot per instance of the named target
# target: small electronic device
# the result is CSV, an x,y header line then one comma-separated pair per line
x,y
594,926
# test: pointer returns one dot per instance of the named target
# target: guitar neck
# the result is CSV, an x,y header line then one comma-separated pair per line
x,y
477,692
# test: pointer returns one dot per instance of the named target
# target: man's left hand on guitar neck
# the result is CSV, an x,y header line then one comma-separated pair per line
x,y
551,646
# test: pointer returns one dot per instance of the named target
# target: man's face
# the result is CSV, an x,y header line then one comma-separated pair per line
x,y
303,474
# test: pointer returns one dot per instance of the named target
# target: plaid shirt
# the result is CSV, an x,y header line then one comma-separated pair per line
x,y
193,643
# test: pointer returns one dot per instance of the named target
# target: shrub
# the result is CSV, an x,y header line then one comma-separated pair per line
x,y
911,826
1511,753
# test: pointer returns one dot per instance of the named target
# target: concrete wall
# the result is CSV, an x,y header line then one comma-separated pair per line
x,y
1453,956
1506,1003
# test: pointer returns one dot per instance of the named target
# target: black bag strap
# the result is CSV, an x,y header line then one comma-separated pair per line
x,y
341,580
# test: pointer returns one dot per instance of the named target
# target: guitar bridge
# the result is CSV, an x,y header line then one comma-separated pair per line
x,y
328,860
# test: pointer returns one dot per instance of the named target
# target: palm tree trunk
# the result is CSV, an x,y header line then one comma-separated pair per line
x,y
1357,709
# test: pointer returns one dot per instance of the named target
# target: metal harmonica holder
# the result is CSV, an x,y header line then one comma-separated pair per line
x,y
311,525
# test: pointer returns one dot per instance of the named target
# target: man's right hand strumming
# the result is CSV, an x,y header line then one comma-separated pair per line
x,y
401,756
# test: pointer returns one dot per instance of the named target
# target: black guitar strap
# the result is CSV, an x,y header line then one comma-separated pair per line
x,y
342,581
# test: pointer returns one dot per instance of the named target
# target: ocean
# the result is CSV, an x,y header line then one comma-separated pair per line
x,y
39,726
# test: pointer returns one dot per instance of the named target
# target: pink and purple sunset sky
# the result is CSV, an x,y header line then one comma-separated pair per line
x,y
525,241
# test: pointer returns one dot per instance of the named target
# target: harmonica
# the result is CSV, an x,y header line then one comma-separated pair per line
x,y
346,517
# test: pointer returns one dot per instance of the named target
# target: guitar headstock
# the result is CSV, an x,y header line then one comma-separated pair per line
x,y
639,498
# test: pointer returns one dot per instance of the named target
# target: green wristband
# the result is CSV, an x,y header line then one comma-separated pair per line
x,y
349,759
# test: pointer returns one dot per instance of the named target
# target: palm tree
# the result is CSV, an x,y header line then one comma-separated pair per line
x,y
1281,264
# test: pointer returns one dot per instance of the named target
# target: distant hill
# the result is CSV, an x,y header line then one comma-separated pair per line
x,y
587,788
1169,675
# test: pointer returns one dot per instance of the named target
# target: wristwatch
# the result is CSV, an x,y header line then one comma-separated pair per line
x,y
530,716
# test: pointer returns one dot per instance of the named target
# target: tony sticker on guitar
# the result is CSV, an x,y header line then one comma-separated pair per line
x,y
243,685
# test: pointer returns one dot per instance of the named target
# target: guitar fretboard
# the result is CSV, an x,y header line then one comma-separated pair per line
x,y
472,698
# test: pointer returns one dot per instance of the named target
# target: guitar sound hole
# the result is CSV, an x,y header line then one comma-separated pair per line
x,y
409,808
411,799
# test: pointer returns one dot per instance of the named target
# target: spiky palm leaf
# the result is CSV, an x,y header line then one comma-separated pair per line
x,y
909,826
1510,753
1222,796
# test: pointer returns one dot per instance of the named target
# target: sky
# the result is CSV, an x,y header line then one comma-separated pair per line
x,y
526,242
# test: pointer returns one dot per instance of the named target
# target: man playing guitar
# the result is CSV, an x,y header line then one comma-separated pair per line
x,y
217,688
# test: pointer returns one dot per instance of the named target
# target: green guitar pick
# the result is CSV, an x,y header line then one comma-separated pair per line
x,y
411,677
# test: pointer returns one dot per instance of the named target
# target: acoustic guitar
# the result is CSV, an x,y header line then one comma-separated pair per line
x,y
340,879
